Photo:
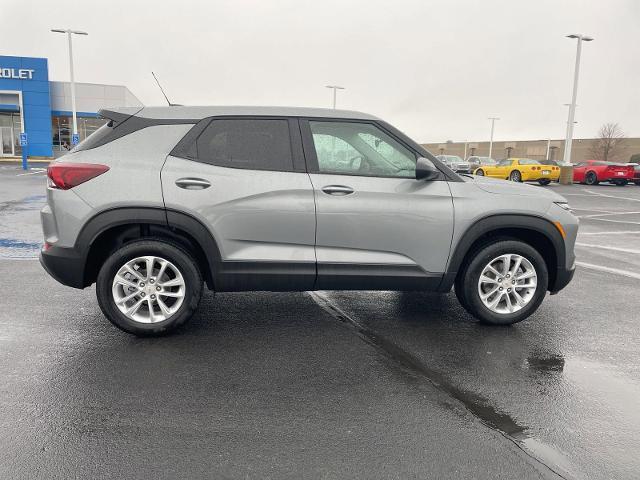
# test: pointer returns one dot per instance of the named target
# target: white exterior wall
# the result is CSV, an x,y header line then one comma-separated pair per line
x,y
91,97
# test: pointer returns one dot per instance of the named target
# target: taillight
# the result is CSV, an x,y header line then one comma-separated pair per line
x,y
68,175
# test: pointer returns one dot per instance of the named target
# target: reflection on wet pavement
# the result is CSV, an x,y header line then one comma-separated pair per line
x,y
19,226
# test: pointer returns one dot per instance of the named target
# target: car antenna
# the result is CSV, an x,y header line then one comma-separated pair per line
x,y
162,90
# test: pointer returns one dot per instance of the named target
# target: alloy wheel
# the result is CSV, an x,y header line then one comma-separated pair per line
x,y
148,289
507,283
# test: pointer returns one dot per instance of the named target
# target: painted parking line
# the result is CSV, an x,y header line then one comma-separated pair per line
x,y
620,232
606,247
597,219
612,196
615,271
35,171
606,214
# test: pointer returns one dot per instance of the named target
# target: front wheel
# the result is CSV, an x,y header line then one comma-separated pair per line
x,y
503,283
149,287
479,172
544,181
515,176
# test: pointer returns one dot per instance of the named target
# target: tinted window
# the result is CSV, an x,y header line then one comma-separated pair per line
x,y
95,138
360,149
504,163
250,144
528,161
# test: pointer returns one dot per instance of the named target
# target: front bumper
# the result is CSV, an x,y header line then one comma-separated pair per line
x,y
65,265
563,277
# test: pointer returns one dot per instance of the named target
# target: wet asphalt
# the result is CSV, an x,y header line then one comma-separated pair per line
x,y
325,384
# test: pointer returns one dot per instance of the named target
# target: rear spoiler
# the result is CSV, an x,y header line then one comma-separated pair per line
x,y
120,115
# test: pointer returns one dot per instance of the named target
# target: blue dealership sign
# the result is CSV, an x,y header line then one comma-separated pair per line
x,y
30,77
23,139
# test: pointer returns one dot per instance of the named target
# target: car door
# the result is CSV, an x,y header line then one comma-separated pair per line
x,y
502,169
579,170
244,179
377,226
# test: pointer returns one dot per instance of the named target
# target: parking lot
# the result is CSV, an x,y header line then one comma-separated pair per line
x,y
324,384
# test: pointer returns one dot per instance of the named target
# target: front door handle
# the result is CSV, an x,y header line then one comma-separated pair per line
x,y
192,183
337,190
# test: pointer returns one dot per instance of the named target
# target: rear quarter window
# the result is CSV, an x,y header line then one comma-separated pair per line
x,y
254,144
95,138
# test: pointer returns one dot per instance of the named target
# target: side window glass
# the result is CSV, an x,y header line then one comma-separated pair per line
x,y
254,144
360,149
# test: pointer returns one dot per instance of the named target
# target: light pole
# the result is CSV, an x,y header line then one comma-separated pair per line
x,y
572,107
334,88
493,121
69,32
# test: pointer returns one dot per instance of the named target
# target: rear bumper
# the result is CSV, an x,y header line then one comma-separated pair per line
x,y
534,177
614,178
65,265
563,277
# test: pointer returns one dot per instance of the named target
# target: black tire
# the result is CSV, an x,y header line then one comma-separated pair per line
x,y
160,248
479,172
621,183
591,178
466,285
515,176
544,181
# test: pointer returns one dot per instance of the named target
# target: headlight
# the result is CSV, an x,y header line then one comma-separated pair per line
x,y
564,205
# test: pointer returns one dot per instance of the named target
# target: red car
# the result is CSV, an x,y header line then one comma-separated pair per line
x,y
592,172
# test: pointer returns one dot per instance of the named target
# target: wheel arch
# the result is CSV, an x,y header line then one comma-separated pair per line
x,y
538,232
110,229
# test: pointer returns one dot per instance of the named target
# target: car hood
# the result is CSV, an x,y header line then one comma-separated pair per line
x,y
505,187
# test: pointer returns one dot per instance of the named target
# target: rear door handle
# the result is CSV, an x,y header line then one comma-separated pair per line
x,y
192,183
337,190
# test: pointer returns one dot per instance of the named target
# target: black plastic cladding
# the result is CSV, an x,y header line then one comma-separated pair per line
x,y
126,124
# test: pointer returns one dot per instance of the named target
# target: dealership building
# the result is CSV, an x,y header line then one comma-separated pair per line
x,y
31,103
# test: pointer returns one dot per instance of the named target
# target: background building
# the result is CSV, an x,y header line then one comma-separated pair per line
x,y
28,99
536,149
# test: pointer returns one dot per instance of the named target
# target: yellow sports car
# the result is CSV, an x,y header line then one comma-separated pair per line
x,y
521,170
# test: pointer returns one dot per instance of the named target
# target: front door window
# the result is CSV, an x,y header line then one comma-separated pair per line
x,y
354,148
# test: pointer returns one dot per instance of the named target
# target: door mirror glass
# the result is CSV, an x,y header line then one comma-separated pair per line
x,y
426,170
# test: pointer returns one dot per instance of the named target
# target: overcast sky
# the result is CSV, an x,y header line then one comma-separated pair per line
x,y
434,69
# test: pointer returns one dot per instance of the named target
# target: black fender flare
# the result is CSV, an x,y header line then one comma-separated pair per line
x,y
494,223
115,217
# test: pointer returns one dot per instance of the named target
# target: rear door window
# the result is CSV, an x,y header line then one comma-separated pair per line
x,y
253,144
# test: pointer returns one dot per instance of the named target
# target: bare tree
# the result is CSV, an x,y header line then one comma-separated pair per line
x,y
609,144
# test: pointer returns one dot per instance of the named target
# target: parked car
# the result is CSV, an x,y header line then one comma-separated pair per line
x,y
592,172
160,200
521,170
455,163
476,162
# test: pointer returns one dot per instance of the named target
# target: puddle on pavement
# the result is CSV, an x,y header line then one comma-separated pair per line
x,y
545,364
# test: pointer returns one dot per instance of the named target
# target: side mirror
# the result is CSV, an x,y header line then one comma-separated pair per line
x,y
426,170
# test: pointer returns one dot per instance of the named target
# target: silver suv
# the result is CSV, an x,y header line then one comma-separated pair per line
x,y
161,200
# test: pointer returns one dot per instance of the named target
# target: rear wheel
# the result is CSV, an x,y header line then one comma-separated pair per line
x,y
515,176
149,287
479,172
591,178
503,283
544,181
